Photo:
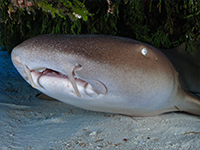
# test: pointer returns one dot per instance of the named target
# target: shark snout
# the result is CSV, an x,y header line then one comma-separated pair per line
x,y
47,80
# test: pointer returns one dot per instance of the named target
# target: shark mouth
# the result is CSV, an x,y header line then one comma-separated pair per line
x,y
75,85
50,81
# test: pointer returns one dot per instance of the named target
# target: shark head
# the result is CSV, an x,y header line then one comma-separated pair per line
x,y
100,73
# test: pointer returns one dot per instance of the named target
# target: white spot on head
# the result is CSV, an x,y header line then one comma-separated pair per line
x,y
144,51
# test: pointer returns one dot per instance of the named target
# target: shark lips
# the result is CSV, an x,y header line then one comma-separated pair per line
x,y
42,79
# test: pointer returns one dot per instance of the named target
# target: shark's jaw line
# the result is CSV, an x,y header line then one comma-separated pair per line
x,y
76,85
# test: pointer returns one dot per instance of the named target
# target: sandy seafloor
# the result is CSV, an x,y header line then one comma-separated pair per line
x,y
30,123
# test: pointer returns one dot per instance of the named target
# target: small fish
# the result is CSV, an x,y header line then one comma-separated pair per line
x,y
103,73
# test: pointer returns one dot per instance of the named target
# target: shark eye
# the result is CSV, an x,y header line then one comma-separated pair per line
x,y
144,51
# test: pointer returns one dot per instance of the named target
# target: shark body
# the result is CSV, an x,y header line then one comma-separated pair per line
x,y
103,73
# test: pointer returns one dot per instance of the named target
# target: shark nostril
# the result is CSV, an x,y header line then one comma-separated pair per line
x,y
78,67
71,74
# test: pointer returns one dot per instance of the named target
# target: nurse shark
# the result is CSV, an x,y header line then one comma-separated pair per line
x,y
103,73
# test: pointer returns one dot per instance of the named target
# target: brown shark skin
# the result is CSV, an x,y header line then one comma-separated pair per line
x,y
129,81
